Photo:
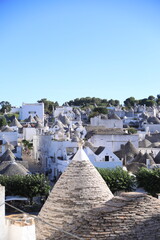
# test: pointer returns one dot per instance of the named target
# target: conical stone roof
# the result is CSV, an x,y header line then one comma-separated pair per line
x,y
153,120
128,151
157,158
138,157
79,189
39,125
30,119
9,145
7,156
6,129
16,123
144,143
37,119
134,167
114,116
14,168
129,148
64,119
155,145
145,157
58,123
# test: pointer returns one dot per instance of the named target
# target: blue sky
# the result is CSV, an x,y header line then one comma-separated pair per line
x,y
61,50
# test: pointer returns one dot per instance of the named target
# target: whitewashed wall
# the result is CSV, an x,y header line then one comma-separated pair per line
x,y
108,123
32,109
107,164
2,213
9,136
60,110
113,142
28,133
152,128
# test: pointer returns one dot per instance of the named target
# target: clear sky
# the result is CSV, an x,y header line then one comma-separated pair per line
x,y
64,49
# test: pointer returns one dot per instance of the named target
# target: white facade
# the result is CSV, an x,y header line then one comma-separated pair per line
x,y
108,123
28,133
10,137
2,213
106,159
152,128
142,135
113,142
62,110
32,109
53,154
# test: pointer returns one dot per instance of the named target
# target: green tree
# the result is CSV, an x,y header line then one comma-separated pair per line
x,y
158,99
150,103
100,110
5,106
132,130
130,102
48,105
113,102
151,98
149,179
27,186
35,185
3,121
117,179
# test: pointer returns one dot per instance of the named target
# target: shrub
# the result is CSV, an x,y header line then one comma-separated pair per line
x,y
132,130
27,186
149,179
3,121
117,179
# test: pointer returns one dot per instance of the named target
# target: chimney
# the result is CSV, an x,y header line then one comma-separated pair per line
x,y
148,163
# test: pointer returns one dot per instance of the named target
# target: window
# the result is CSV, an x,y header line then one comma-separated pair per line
x,y
32,112
106,158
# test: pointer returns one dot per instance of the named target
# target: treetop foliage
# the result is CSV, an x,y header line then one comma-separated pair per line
x,y
149,102
117,179
5,106
48,105
27,186
3,121
149,179
87,101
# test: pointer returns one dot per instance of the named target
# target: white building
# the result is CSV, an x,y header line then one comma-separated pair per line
x,y
28,109
152,128
28,133
54,156
103,158
62,110
112,139
32,109
108,123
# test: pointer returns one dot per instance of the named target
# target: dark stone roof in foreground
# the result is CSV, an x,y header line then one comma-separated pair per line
x,y
126,217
